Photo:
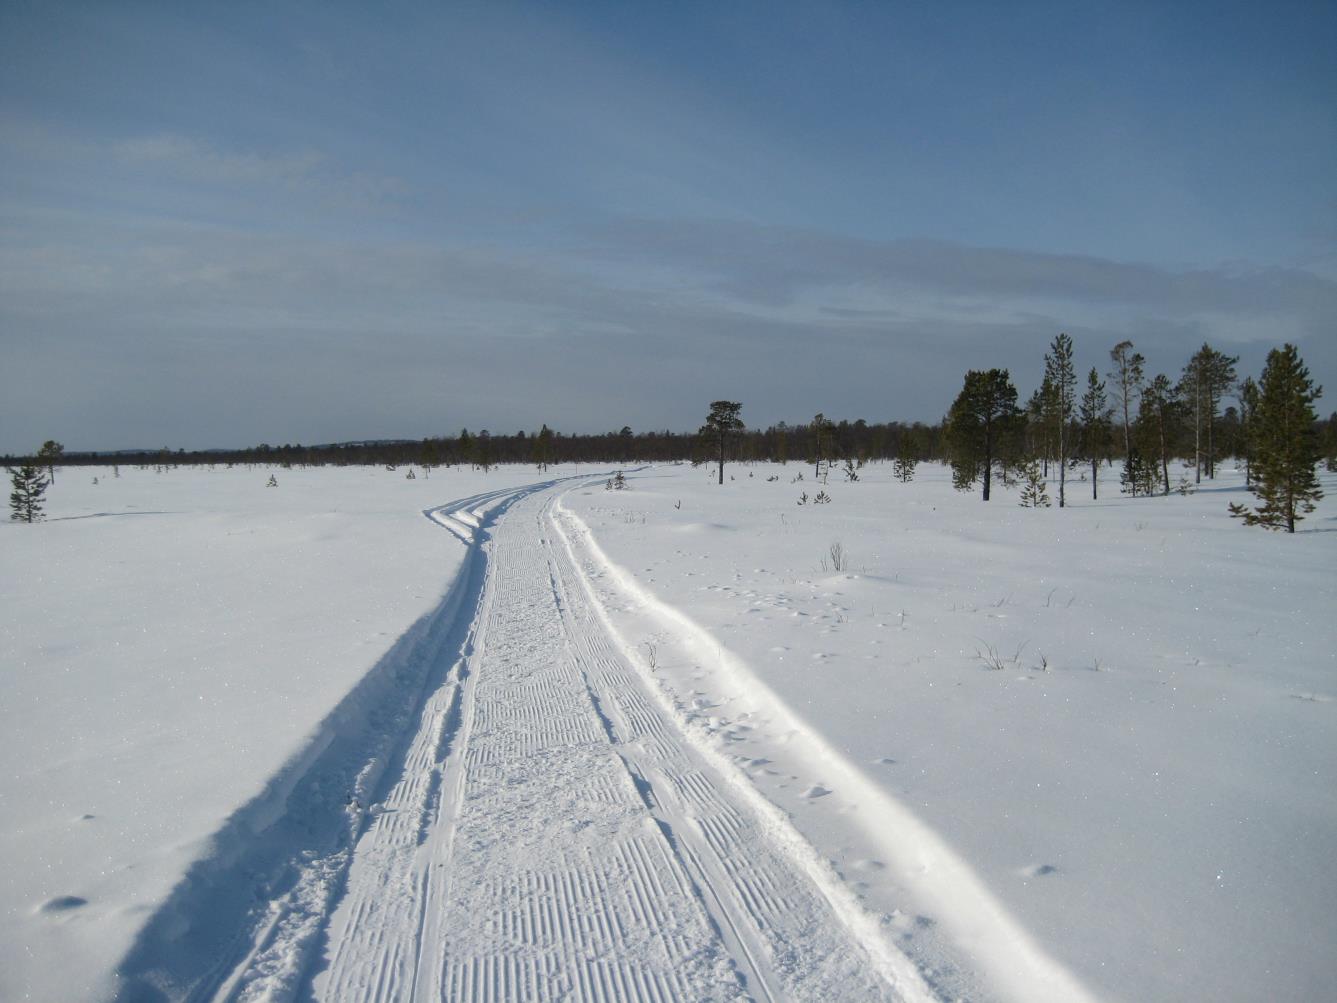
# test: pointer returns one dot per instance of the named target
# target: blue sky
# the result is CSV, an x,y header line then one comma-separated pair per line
x,y
225,224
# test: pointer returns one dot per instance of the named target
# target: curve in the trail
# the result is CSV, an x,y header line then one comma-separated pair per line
x,y
506,809
251,911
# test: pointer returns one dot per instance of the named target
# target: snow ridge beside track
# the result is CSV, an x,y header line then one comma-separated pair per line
x,y
975,921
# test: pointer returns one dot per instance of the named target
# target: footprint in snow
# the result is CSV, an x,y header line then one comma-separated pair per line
x,y
63,903
815,791
1038,870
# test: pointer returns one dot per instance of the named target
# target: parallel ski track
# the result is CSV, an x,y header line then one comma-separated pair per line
x,y
553,835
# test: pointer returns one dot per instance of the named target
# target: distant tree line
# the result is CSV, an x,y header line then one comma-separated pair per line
x,y
1142,423
820,441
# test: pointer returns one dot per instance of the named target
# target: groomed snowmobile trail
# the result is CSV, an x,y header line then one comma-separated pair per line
x,y
540,829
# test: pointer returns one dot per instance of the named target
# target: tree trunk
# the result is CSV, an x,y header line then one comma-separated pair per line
x,y
721,458
988,459
1211,448
1062,467
1095,467
1165,455
1197,435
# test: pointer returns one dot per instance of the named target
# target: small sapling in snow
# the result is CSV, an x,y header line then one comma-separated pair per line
x,y
1033,493
25,501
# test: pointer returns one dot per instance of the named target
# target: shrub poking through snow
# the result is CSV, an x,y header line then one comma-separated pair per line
x,y
273,482
836,559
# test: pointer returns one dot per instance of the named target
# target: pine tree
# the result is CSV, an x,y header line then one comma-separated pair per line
x,y
49,454
1207,377
722,422
25,501
1063,379
1139,474
903,468
1095,418
482,451
1328,442
1286,441
1033,492
1247,394
823,434
983,428
1040,411
1126,382
543,447
1160,406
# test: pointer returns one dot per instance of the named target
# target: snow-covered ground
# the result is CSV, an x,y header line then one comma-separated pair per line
x,y
202,675
1143,793
170,643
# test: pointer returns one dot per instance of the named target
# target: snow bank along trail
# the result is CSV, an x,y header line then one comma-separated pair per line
x,y
544,829
743,718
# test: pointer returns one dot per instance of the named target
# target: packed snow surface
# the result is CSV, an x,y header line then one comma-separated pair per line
x,y
557,741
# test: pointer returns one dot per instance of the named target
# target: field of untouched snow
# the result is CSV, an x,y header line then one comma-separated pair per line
x,y
1109,730
170,643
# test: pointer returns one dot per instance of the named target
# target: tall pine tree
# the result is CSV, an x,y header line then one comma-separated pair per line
x,y
1063,381
1247,395
49,455
1095,417
1207,377
1161,407
722,422
983,428
1126,383
1286,442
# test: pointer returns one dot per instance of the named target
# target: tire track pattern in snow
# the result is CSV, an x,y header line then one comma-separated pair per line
x,y
789,934
561,885
546,831
578,847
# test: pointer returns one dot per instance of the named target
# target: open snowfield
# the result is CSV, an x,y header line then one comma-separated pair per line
x,y
1156,811
303,742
